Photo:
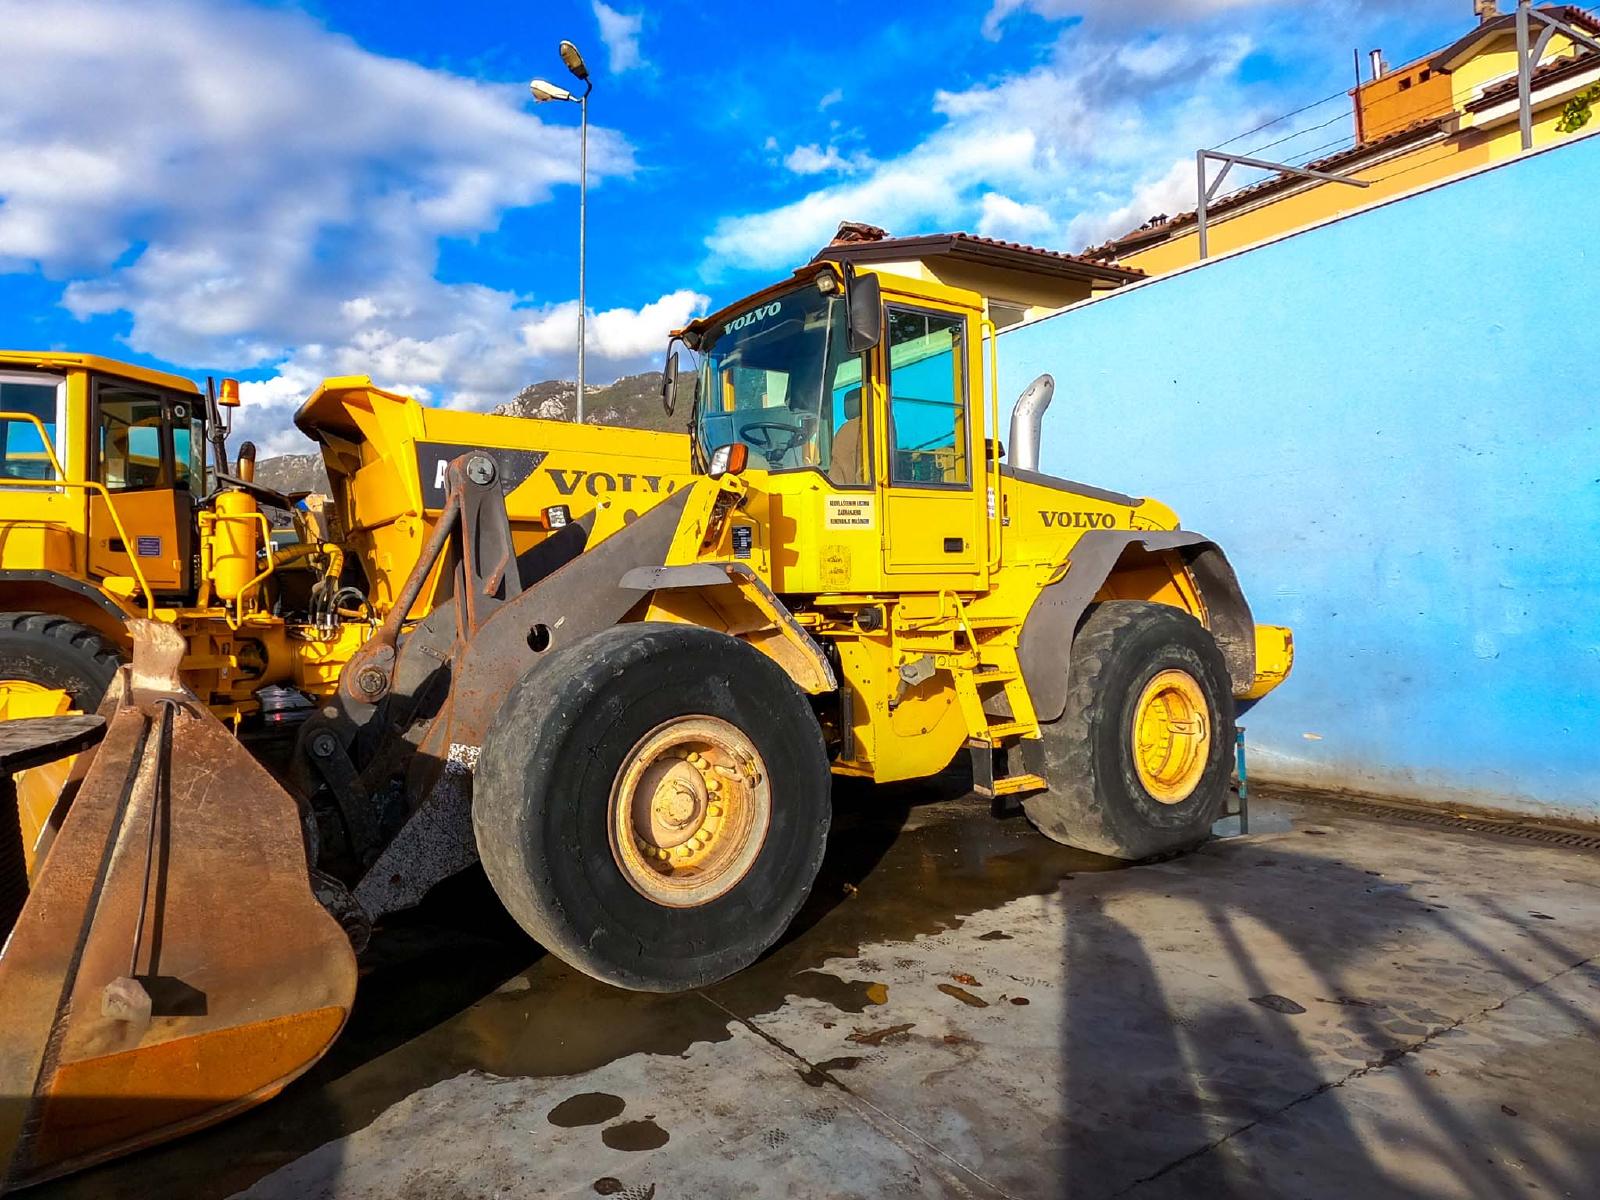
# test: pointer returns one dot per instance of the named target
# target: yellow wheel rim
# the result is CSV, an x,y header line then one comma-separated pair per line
x,y
689,811
1171,736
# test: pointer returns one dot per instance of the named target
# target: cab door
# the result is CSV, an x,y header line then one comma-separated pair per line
x,y
933,521
148,474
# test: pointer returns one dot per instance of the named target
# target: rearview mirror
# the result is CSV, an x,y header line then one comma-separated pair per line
x,y
669,384
864,305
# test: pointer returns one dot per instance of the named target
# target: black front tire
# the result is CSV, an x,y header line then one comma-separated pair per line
x,y
542,797
1096,800
54,652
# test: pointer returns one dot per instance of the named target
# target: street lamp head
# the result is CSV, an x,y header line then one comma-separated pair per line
x,y
574,61
543,90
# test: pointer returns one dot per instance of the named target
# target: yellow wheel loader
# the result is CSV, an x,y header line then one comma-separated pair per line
x,y
630,713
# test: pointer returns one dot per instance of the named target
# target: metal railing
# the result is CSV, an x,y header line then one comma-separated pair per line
x,y
1207,192
1529,52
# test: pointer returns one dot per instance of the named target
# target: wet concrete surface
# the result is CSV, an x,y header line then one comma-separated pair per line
x,y
1331,1006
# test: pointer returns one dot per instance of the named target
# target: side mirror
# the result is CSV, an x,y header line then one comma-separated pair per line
x,y
864,305
669,384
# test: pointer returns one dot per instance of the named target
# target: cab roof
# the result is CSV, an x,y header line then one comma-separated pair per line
x,y
60,360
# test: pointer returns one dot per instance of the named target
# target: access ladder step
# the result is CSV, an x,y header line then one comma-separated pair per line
x,y
993,785
1004,729
1013,785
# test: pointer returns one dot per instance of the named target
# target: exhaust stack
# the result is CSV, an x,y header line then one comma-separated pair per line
x,y
1027,418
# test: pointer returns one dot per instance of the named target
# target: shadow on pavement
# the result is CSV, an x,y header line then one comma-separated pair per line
x,y
1163,1091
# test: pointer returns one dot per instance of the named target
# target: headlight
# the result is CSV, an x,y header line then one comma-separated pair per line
x,y
728,460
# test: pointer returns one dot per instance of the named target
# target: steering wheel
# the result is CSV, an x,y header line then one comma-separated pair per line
x,y
763,435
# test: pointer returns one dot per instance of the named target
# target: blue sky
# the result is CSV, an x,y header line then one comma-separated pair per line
x,y
283,191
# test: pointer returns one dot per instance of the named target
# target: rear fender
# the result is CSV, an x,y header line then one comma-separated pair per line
x,y
1052,623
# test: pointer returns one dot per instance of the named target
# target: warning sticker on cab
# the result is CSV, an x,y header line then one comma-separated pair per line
x,y
849,512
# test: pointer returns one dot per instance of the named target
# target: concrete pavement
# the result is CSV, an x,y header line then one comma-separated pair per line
x,y
1334,1006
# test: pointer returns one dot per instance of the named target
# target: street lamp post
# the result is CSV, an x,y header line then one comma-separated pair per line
x,y
542,92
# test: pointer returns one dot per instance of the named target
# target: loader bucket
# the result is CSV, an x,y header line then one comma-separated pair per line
x,y
171,966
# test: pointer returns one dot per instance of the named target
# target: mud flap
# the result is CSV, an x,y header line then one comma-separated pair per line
x,y
172,966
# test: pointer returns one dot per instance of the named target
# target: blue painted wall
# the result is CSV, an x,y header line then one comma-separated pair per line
x,y
1392,425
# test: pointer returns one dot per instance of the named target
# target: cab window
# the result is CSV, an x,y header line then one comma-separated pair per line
x,y
128,439
927,398
779,378
23,454
188,447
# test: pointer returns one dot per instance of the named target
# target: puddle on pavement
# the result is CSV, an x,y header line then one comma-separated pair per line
x,y
433,1002
586,1108
635,1135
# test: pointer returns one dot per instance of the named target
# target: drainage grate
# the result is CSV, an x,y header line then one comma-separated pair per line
x,y
1550,835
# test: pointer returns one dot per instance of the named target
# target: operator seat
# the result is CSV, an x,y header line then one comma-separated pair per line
x,y
846,465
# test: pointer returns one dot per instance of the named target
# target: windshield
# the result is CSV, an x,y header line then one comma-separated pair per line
x,y
779,378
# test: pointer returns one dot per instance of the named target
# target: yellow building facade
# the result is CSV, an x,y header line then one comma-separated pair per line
x,y
1450,112
1017,282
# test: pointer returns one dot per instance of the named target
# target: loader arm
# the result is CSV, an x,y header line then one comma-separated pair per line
x,y
172,965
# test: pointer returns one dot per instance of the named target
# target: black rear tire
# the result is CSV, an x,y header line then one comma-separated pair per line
x,y
543,795
54,652
1096,800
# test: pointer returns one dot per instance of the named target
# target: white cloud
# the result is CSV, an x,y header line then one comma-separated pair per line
x,y
617,334
620,32
1166,195
1120,13
814,160
465,346
1004,218
920,187
1024,155
253,191
829,100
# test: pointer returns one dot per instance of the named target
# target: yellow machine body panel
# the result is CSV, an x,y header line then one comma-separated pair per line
x,y
386,456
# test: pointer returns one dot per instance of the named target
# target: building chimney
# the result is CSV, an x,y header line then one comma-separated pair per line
x,y
1487,10
1378,65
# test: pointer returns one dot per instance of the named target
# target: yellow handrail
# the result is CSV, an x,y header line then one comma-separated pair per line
x,y
994,500
88,485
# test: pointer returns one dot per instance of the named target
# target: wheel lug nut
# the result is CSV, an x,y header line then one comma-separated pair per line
x,y
694,844
714,810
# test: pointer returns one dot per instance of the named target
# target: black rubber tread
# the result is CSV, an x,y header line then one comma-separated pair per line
x,y
53,651
542,788
1095,800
